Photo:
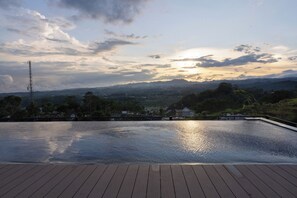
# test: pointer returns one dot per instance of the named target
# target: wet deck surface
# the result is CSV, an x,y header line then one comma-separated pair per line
x,y
26,180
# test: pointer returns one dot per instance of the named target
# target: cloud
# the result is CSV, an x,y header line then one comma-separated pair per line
x,y
35,25
47,37
251,55
108,45
263,58
99,78
124,36
19,48
9,3
64,75
293,58
247,49
284,74
192,59
189,67
155,65
110,11
5,80
155,56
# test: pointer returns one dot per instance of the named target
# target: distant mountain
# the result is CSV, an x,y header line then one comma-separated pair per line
x,y
164,92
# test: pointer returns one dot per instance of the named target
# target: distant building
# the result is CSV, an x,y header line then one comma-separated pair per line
x,y
185,112
124,112
127,113
73,116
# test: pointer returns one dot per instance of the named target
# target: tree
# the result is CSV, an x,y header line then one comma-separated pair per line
x,y
10,105
32,109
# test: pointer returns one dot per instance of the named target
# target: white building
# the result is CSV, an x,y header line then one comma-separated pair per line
x,y
185,112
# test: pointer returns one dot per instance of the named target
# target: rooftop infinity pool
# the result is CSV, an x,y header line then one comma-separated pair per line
x,y
147,142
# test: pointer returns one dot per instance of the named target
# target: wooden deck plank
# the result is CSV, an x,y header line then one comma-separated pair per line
x,y
10,170
45,189
154,182
218,182
245,183
265,189
270,182
167,187
44,180
289,170
58,189
180,185
6,168
126,189
28,182
18,180
14,173
193,184
87,187
279,179
293,166
103,182
78,182
284,174
206,184
140,187
116,182
237,190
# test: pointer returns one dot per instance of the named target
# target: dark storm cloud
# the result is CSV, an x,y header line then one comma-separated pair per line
x,y
9,3
108,45
108,10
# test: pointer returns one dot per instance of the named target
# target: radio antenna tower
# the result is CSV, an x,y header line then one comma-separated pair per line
x,y
30,87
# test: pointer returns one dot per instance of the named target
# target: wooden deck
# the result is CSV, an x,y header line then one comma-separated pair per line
x,y
148,181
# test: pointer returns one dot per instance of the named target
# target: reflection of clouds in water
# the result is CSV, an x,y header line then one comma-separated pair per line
x,y
184,141
191,136
58,137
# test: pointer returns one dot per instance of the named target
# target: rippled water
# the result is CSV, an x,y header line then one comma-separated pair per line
x,y
142,142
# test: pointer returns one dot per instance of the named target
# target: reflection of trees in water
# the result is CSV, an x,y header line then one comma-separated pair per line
x,y
159,141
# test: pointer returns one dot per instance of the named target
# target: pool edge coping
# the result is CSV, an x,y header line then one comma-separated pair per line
x,y
272,122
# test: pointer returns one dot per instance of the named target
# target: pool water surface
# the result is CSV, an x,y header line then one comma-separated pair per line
x,y
147,142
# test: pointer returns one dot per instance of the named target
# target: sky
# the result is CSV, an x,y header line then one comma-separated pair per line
x,y
96,43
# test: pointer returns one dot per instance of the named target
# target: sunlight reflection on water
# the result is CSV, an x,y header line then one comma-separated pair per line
x,y
156,141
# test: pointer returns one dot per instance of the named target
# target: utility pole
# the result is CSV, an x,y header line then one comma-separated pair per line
x,y
30,87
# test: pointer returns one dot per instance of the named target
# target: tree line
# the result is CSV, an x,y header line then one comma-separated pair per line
x,y
88,107
230,99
